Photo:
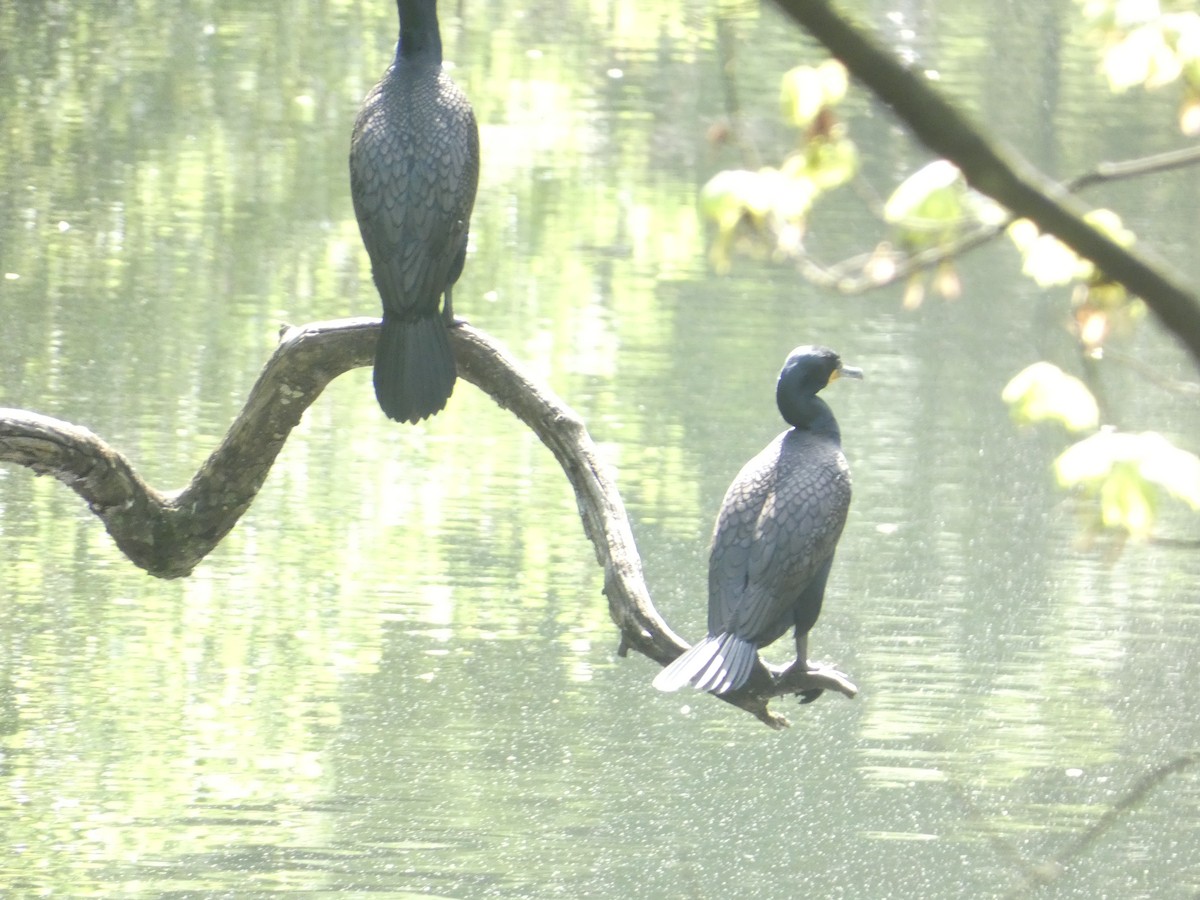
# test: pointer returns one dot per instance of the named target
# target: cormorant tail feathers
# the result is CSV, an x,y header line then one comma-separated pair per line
x,y
414,367
720,663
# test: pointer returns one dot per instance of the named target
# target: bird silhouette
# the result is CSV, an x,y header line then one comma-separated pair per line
x,y
775,536
414,170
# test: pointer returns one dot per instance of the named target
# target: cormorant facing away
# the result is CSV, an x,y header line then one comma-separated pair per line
x,y
414,167
773,544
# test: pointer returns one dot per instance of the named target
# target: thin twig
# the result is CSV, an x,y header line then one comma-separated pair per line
x,y
852,276
1136,168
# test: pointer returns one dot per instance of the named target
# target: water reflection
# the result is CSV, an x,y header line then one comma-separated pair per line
x,y
397,675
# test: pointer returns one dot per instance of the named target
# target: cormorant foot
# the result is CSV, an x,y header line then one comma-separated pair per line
x,y
810,680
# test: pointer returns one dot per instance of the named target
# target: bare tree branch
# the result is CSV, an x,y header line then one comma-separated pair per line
x,y
1000,173
168,534
860,273
1136,168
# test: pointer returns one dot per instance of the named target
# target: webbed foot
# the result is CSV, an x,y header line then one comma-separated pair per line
x,y
810,680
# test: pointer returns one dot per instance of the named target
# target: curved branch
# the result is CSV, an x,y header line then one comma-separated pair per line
x,y
485,365
168,534
1000,173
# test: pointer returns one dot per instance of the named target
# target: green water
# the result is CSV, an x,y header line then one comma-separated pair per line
x,y
397,676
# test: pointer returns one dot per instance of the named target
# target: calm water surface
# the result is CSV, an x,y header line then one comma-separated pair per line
x,y
397,676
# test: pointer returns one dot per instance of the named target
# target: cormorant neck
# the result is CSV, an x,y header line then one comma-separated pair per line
x,y
808,412
419,35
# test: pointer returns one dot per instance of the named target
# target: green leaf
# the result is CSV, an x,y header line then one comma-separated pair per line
x,y
1043,391
1109,224
1142,57
1174,470
1126,501
760,213
722,197
805,91
827,163
734,193
933,192
1126,471
1049,262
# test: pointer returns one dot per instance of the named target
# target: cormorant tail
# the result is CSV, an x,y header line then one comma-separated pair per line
x,y
720,663
414,367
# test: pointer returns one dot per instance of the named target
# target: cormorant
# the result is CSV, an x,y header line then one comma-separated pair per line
x,y
414,168
773,543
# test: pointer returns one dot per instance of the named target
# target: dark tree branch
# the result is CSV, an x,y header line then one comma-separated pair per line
x,y
1000,173
856,274
168,534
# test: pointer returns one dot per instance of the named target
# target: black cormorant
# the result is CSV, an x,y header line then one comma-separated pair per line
x,y
773,544
414,167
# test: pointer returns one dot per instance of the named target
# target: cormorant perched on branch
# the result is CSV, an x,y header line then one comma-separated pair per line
x,y
773,544
414,167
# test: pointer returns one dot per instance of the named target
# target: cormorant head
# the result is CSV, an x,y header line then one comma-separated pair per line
x,y
807,370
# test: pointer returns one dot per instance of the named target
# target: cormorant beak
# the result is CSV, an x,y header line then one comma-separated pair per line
x,y
844,371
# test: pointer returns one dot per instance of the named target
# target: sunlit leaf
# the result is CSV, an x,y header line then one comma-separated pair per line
x,y
1048,261
931,193
1149,48
985,209
1125,471
1126,501
946,282
1184,28
1043,391
723,199
761,213
830,162
914,292
1173,469
1120,15
791,198
1189,116
1109,224
1023,233
1106,296
835,81
881,266
731,194
800,97
1143,57
806,90
1093,326
1102,308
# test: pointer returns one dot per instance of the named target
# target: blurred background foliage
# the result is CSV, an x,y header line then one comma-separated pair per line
x,y
397,674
